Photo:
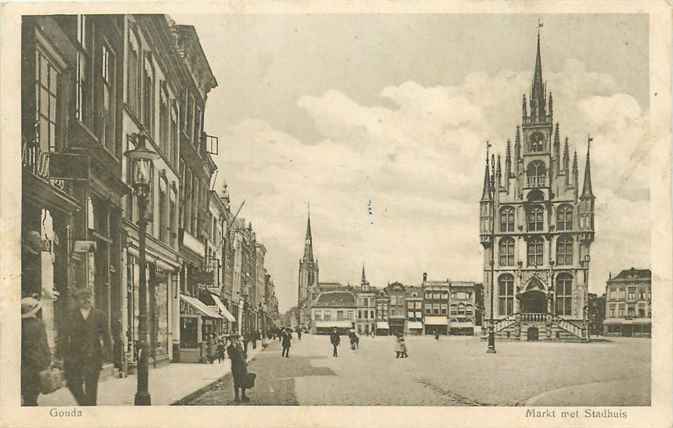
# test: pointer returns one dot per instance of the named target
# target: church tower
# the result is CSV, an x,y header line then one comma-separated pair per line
x,y
364,284
540,228
308,277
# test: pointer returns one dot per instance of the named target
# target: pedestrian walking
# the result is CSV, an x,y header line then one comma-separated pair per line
x,y
403,347
86,340
335,340
211,348
436,335
299,334
220,349
398,346
286,343
35,355
239,368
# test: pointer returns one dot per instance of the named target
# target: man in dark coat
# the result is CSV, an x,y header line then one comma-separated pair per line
x,y
335,339
35,354
86,341
286,342
239,368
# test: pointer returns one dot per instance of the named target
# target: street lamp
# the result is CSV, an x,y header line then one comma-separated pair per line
x,y
141,162
491,194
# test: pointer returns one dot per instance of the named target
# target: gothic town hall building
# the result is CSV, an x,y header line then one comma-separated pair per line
x,y
536,227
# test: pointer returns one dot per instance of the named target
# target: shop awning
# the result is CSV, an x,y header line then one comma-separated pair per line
x,y
223,309
382,325
461,324
200,307
333,324
436,321
415,325
622,321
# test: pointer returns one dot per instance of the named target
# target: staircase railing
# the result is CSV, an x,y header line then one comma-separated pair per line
x,y
506,322
532,316
572,327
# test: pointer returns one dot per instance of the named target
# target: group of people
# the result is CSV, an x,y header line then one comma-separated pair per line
x,y
84,343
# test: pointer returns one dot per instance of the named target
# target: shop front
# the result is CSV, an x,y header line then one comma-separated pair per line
x,y
197,322
396,326
436,325
327,327
415,328
382,328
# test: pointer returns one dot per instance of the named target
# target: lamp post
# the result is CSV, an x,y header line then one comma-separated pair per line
x,y
141,162
491,193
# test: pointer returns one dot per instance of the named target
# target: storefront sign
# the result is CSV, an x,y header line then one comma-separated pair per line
x,y
203,277
67,166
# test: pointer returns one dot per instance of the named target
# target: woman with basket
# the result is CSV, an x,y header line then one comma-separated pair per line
x,y
35,354
239,369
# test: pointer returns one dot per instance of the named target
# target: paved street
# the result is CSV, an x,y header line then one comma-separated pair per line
x,y
454,371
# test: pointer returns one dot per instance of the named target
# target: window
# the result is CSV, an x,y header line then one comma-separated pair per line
x,y
632,293
564,250
631,311
418,305
340,315
444,307
327,315
507,219
564,294
536,172
428,309
106,99
349,315
641,310
148,97
611,310
174,148
133,82
164,132
197,126
620,310
564,218
505,295
643,294
83,91
360,314
164,228
435,308
47,80
535,251
536,143
535,217
371,314
506,256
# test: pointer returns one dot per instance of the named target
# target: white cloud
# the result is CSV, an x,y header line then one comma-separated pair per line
x,y
418,156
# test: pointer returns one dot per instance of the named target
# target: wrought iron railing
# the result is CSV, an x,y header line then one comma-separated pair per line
x,y
37,161
532,316
506,322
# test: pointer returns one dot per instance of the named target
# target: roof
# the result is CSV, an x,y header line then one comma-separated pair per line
x,y
335,299
633,273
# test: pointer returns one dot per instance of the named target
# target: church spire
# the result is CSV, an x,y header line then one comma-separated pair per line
x,y
508,162
537,94
587,192
308,241
557,150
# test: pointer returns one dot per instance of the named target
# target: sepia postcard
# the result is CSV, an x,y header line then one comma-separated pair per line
x,y
330,214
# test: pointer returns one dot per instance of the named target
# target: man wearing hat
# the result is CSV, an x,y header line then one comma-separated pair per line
x,y
85,343
35,355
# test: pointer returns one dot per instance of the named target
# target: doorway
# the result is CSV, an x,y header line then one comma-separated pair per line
x,y
533,334
533,301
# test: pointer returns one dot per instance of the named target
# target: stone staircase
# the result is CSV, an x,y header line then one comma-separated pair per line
x,y
539,326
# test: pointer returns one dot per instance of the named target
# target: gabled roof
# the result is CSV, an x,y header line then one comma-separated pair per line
x,y
335,299
633,273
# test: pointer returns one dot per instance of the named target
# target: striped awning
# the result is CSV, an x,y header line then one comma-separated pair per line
x,y
436,321
333,324
200,307
382,325
222,309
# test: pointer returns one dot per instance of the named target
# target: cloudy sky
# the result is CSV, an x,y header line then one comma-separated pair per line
x,y
395,109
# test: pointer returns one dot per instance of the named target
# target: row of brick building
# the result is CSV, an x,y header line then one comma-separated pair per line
x,y
92,86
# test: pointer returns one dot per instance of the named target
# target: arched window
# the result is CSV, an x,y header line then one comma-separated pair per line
x,y
564,250
535,218
536,172
564,218
507,219
505,294
535,251
564,294
506,252
536,142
